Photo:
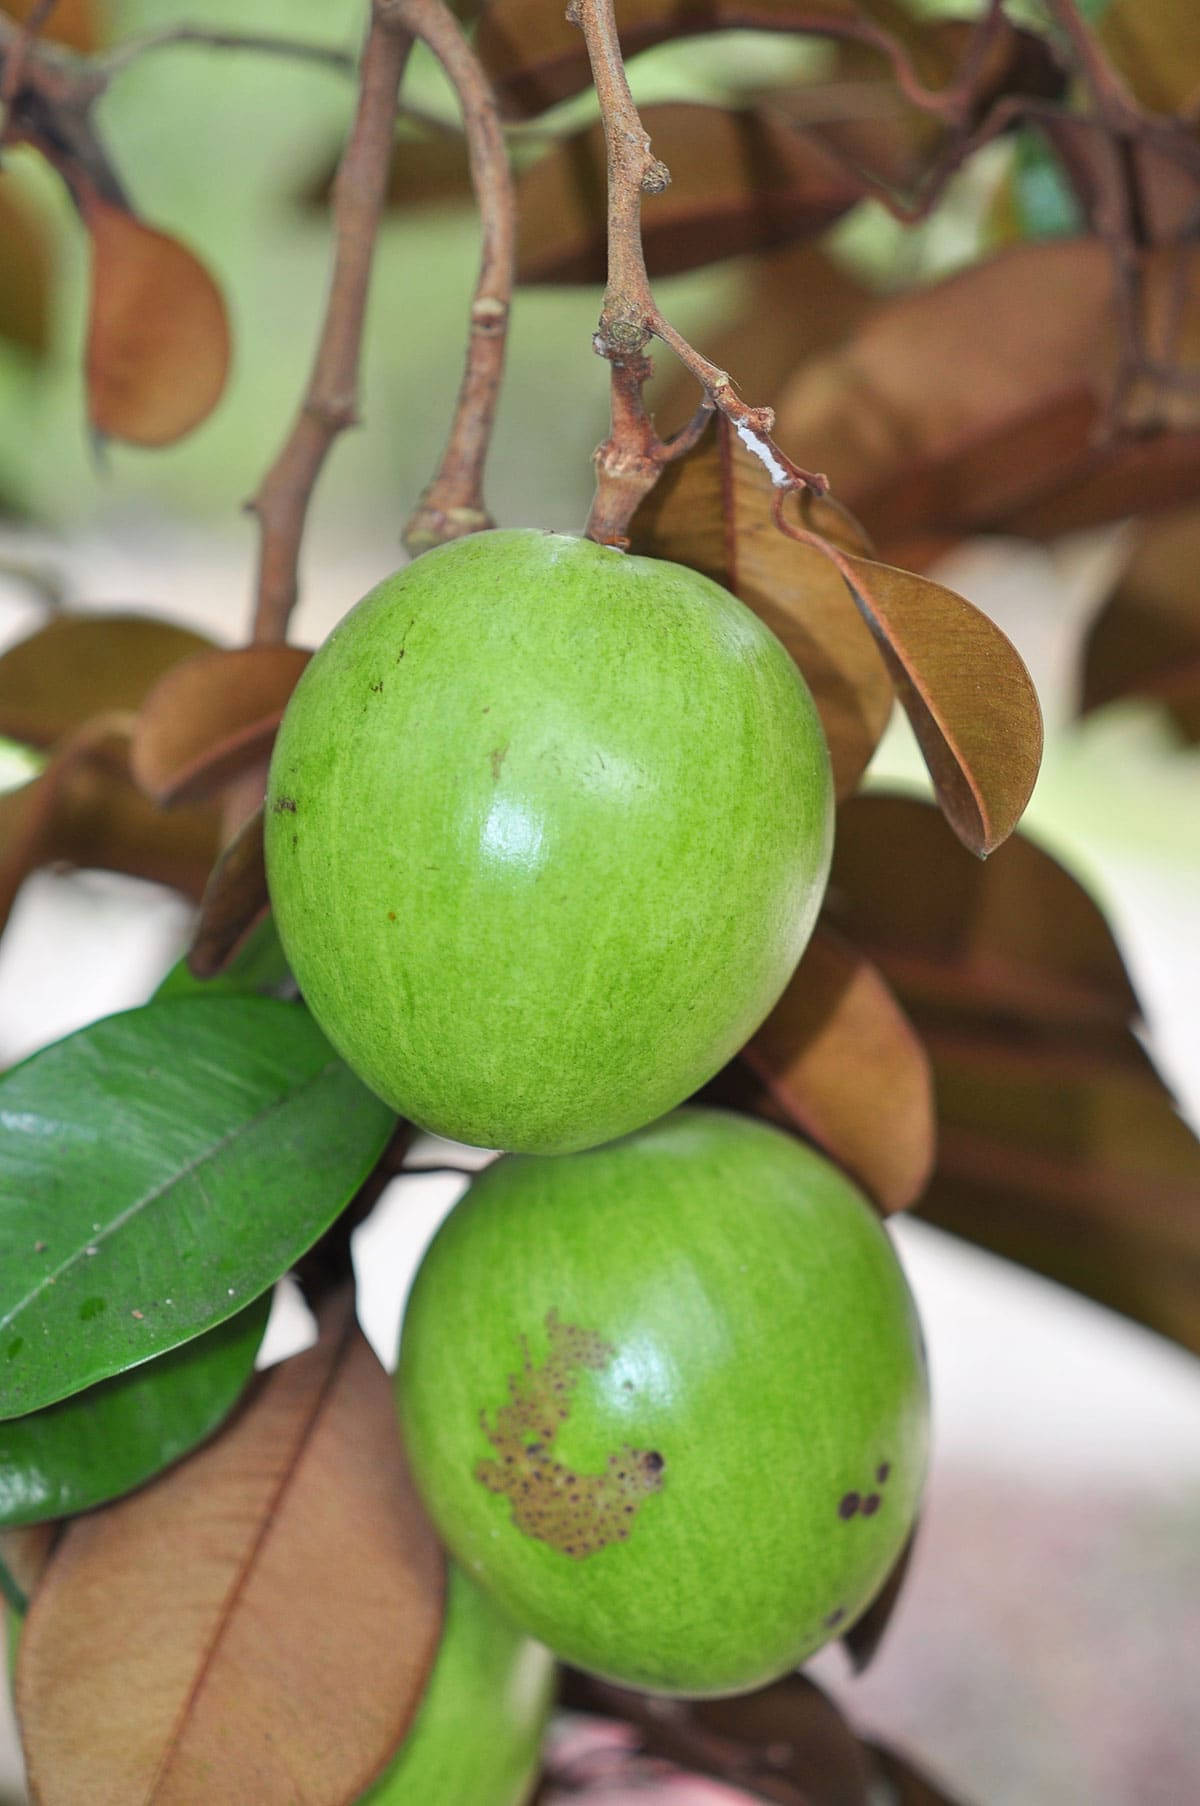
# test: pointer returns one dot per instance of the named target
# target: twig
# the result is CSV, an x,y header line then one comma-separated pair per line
x,y
452,505
23,39
111,62
330,400
631,459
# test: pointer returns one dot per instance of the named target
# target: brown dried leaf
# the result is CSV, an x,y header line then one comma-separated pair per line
x,y
537,57
838,1059
861,1642
158,333
793,302
1059,1146
1146,641
1155,46
258,1623
713,511
1016,940
975,404
1072,1160
77,666
78,23
740,181
25,1554
908,1786
798,1735
970,700
210,719
26,262
234,904
84,810
431,170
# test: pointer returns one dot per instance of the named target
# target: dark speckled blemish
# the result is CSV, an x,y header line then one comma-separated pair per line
x,y
882,1471
499,754
578,1514
92,1307
284,805
871,1504
848,1505
376,688
835,1617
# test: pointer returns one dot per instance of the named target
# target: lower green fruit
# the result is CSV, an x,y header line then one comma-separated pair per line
x,y
667,1400
477,1737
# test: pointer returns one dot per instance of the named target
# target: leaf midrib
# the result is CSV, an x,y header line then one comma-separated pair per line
x,y
142,1202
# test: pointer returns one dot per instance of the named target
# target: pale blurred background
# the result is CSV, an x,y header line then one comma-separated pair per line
x,y
1048,1644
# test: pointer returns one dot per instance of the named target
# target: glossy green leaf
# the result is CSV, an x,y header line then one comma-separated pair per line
x,y
101,1443
173,1162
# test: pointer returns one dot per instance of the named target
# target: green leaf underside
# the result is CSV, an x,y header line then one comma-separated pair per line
x,y
159,1169
103,1442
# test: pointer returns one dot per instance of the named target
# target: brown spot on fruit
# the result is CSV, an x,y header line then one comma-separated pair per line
x,y
377,686
848,1505
871,1504
576,1513
835,1616
285,805
499,754
882,1471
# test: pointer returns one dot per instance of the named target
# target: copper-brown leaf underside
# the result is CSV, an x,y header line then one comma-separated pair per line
x,y
25,1553
976,403
862,1641
234,903
1146,640
1058,1144
158,333
793,301
259,1623
77,666
838,1059
740,181
74,22
788,1743
536,56
970,700
211,718
427,171
84,810
713,511
1156,47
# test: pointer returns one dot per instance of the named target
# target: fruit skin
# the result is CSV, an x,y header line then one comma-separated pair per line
x,y
700,1337
477,1738
547,829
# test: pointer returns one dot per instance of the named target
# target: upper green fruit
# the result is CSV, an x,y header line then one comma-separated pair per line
x,y
547,830
476,1740
667,1400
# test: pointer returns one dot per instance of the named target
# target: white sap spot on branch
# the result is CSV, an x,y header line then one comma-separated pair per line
x,y
762,450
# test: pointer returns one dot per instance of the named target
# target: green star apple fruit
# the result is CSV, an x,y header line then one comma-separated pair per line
x,y
667,1400
547,829
476,1740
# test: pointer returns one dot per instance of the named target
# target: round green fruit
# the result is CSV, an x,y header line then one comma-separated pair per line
x,y
547,830
477,1738
667,1400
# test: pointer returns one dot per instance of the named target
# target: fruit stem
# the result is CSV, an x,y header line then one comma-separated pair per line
x,y
633,457
452,505
330,403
